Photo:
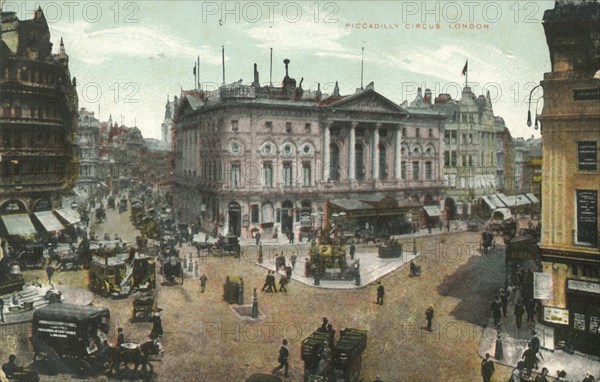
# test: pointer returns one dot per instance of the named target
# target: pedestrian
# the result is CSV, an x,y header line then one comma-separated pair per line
x,y
267,282
324,325
1,309
282,283
272,286
293,260
429,316
284,353
49,272
530,309
157,329
519,310
257,238
496,310
504,301
487,368
534,342
543,377
203,280
530,359
499,350
380,293
352,250
120,338
516,374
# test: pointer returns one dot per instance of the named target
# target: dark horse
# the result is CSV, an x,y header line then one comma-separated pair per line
x,y
138,356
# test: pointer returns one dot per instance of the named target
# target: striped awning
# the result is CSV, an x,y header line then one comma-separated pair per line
x,y
49,221
533,198
18,225
69,215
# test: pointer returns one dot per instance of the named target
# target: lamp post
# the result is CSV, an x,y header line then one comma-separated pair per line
x,y
529,123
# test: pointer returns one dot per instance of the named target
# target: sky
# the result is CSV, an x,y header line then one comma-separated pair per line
x,y
130,56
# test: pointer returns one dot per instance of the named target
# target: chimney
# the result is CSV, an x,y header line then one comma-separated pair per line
x,y
256,83
427,98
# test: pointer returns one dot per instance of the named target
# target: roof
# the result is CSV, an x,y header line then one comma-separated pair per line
x,y
71,216
433,210
49,221
68,312
18,225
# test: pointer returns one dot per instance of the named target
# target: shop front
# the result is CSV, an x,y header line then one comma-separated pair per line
x,y
583,303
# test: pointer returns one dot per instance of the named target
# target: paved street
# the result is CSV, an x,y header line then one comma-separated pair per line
x,y
205,340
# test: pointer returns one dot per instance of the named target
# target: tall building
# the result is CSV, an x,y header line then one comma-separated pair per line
x,y
504,158
527,155
469,145
38,121
570,174
167,125
252,158
88,134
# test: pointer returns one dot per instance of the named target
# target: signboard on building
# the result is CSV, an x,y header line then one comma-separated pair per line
x,y
586,94
583,286
542,286
594,324
556,315
578,321
587,156
587,217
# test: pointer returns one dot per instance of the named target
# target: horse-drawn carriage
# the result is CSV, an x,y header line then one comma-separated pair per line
x,y
172,269
72,339
100,214
119,275
226,246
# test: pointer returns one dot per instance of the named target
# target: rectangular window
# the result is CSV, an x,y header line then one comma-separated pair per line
x,y
287,174
446,137
428,171
446,158
288,127
415,170
307,127
403,170
235,175
306,175
404,131
587,218
430,133
453,158
234,125
254,213
464,160
268,174
417,132
587,156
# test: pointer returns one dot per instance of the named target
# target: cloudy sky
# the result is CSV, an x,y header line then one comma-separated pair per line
x,y
129,56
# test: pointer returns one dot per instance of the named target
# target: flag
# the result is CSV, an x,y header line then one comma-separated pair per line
x,y
194,69
464,72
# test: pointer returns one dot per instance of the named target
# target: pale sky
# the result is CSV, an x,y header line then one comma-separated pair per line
x,y
129,56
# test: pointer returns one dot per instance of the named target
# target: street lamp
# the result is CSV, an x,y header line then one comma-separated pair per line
x,y
529,109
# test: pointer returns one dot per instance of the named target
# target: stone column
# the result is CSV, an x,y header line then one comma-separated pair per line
x,y
352,152
326,152
398,153
375,172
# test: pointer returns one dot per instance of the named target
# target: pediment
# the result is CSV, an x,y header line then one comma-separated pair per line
x,y
367,101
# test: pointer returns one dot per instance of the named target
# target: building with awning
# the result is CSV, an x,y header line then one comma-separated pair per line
x,y
18,225
68,215
49,221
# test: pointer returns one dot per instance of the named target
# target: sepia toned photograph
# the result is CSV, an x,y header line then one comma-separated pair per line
x,y
430,167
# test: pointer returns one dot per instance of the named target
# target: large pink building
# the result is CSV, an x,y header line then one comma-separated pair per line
x,y
262,158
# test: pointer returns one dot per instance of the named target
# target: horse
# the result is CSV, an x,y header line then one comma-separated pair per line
x,y
138,356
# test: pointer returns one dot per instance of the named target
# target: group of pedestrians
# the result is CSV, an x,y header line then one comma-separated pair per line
x,y
269,285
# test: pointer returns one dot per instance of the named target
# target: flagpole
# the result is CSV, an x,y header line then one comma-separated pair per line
x,y
223,60
362,65
271,69
467,75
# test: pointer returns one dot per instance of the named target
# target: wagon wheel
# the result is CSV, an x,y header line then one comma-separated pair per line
x,y
82,367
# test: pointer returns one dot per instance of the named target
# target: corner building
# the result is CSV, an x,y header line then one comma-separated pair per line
x,y
38,122
570,174
255,158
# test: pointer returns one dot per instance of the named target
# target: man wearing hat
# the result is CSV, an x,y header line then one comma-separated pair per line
x,y
284,353
487,368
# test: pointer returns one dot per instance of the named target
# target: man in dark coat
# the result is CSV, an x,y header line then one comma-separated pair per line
x,y
496,311
504,301
530,309
429,316
487,368
267,282
49,272
352,251
157,329
380,293
519,310
284,353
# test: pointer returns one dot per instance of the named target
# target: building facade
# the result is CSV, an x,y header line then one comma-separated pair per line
x,y
251,158
504,158
469,147
571,175
88,135
166,127
528,153
38,122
